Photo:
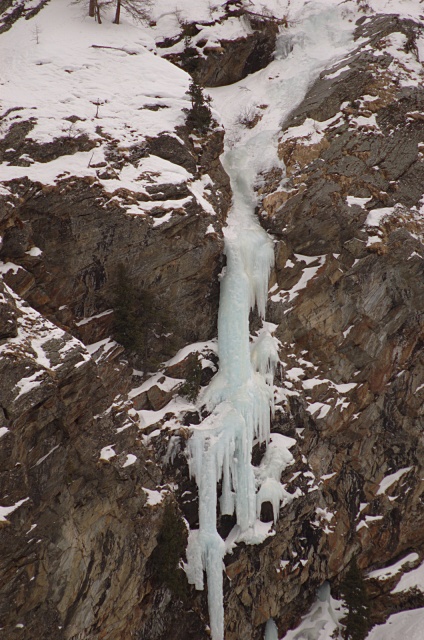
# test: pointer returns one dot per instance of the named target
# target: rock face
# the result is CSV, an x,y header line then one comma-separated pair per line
x,y
77,525
90,234
88,500
50,396
10,11
83,501
348,300
221,63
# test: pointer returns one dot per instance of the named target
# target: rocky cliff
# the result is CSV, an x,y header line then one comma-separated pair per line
x,y
102,215
348,302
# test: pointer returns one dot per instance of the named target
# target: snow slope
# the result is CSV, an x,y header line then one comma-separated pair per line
x,y
102,80
322,622
406,624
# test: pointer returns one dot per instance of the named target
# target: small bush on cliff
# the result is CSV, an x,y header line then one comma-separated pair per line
x,y
248,117
191,387
353,590
200,115
190,57
165,559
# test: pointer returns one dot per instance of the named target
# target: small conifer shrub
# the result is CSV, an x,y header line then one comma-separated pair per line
x,y
129,327
191,387
199,117
354,593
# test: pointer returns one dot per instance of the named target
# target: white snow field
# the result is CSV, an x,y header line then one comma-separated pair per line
x,y
407,625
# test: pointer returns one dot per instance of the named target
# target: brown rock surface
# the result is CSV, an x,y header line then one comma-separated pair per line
x,y
90,234
75,473
355,328
228,61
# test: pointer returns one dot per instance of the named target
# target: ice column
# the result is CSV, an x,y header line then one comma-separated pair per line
x,y
240,397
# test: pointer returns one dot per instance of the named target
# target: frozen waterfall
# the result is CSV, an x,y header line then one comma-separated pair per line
x,y
240,396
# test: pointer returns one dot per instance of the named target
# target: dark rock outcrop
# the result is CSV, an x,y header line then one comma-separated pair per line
x,y
229,61
90,234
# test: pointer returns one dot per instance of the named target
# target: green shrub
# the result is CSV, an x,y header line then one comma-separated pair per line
x,y
191,387
354,592
128,326
136,314
190,59
200,115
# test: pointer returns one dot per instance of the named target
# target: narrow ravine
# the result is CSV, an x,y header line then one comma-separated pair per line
x,y
240,397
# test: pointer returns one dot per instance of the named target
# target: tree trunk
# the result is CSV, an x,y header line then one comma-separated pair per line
x,y
118,12
92,8
99,20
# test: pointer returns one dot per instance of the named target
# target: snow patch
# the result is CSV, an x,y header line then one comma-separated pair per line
x,y
407,624
107,452
130,459
154,497
412,580
390,480
392,570
6,511
376,216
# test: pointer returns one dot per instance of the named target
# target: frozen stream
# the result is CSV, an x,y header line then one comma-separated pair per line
x,y
240,397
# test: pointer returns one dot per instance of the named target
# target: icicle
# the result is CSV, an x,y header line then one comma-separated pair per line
x,y
271,631
277,457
